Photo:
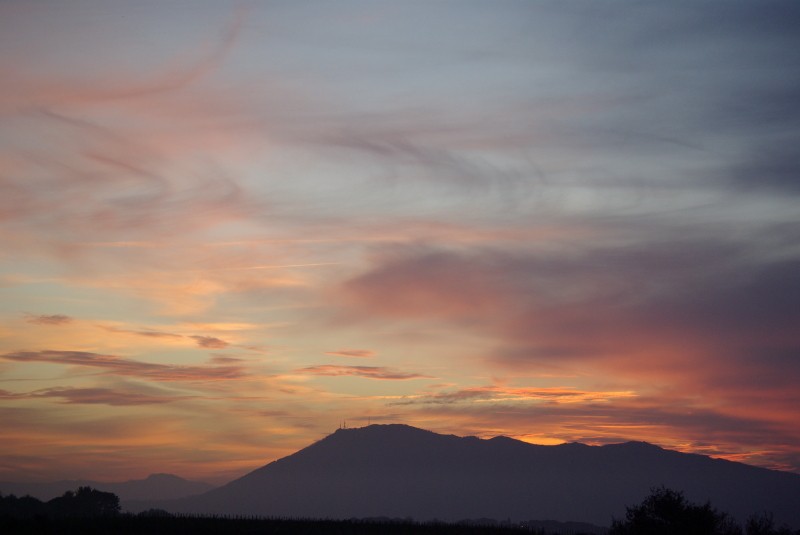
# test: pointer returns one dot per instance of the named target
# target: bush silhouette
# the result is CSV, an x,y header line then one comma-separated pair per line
x,y
668,512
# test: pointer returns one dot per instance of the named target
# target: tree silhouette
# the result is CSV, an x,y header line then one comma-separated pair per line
x,y
85,502
764,524
668,512
23,507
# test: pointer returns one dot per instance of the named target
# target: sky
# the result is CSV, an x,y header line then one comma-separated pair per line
x,y
227,228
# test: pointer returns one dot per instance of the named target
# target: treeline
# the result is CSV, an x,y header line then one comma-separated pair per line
x,y
92,512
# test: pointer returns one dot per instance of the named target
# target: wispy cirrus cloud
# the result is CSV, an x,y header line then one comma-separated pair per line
x,y
368,372
115,365
29,91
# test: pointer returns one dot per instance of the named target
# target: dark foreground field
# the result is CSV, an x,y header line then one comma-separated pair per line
x,y
130,524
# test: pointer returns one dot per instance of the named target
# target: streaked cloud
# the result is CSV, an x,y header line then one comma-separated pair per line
x,y
48,319
357,353
127,367
103,396
147,334
628,418
498,394
209,342
368,372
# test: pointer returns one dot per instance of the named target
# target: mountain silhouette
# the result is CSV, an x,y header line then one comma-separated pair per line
x,y
154,487
399,471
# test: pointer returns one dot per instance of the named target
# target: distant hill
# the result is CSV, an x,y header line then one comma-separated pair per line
x,y
154,487
398,471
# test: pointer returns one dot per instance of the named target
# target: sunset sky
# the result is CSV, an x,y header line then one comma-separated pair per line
x,y
226,227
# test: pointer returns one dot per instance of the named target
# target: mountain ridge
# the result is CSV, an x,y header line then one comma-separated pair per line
x,y
399,471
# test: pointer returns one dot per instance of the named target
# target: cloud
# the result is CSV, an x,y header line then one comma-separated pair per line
x,y
225,359
103,396
679,313
598,301
121,179
209,342
147,334
44,319
499,394
127,367
206,342
358,353
427,282
368,372
672,422
630,223
167,80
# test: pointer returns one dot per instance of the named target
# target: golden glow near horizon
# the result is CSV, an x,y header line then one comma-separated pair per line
x,y
220,239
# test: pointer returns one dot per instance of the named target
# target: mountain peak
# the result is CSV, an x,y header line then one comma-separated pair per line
x,y
382,428
379,433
